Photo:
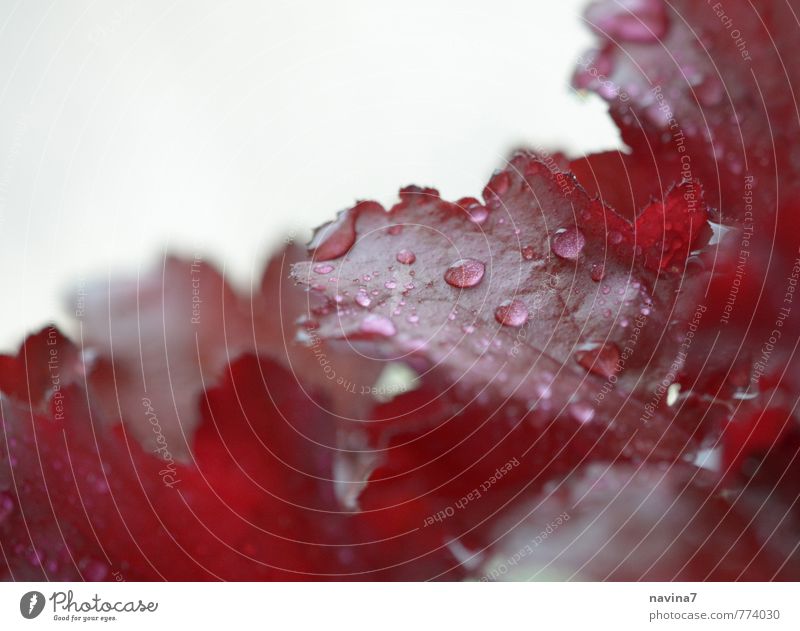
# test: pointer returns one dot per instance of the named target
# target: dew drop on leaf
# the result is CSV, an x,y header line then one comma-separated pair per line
x,y
406,257
465,273
568,243
528,253
511,313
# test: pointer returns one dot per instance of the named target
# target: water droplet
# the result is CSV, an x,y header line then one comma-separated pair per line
x,y
606,290
465,273
406,257
568,243
375,324
511,313
600,359
598,272
390,284
477,213
614,237
528,253
413,318
363,299
323,268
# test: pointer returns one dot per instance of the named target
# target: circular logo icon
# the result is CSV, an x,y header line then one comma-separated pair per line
x,y
31,604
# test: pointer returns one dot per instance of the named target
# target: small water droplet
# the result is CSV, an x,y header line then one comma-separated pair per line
x,y
406,257
465,273
323,268
528,253
378,325
598,272
413,318
363,299
614,237
568,243
511,313
390,284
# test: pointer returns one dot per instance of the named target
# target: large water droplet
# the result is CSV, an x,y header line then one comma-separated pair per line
x,y
406,257
477,213
465,273
600,359
375,324
511,313
568,243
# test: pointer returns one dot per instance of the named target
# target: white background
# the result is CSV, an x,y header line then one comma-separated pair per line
x,y
131,128
404,606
